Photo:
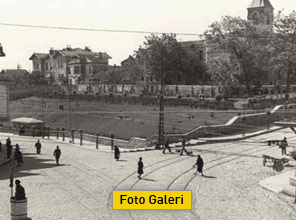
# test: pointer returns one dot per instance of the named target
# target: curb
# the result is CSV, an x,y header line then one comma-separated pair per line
x,y
206,141
212,141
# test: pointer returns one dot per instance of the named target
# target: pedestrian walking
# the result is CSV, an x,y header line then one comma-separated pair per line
x,y
183,147
38,147
19,191
57,154
116,153
199,163
18,156
140,168
166,146
284,145
8,148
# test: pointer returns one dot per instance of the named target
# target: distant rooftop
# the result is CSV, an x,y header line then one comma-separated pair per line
x,y
260,3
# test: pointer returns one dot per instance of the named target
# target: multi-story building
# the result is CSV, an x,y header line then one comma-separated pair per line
x,y
84,68
58,66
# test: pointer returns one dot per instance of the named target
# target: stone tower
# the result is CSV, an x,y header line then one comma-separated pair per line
x,y
261,12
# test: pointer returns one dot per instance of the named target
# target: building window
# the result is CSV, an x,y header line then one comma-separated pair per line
x,y
46,66
37,66
60,64
201,55
76,70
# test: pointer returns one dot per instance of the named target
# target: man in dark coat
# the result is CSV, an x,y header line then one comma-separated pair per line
x,y
18,156
19,191
57,153
183,146
116,153
199,163
8,147
140,168
166,146
38,147
283,146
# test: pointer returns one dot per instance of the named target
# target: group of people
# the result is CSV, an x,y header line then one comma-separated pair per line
x,y
18,156
57,152
199,164
183,149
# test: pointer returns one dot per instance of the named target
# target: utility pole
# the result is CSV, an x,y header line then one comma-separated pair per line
x,y
42,108
69,110
161,105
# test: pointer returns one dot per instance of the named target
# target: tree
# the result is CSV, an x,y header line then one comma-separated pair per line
x,y
164,58
245,44
112,75
284,56
37,78
225,73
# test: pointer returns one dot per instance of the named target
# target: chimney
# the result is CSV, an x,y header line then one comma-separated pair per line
x,y
68,47
51,51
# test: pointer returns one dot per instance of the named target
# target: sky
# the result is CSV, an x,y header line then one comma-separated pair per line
x,y
188,16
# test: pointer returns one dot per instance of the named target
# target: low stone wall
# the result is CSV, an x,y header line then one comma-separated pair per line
x,y
149,100
169,90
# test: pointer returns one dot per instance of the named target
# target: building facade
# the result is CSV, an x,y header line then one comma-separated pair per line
x,y
58,66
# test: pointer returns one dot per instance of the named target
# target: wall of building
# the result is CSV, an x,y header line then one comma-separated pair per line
x,y
4,101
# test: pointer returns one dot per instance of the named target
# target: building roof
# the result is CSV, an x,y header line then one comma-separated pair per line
x,y
26,120
18,72
129,60
70,52
38,56
260,3
91,58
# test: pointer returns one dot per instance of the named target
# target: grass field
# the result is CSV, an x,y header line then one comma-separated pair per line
x,y
125,121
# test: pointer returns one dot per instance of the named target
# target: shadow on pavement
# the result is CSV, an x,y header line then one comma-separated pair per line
x,y
210,177
152,180
31,162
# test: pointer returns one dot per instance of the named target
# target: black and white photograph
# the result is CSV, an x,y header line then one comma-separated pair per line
x,y
147,110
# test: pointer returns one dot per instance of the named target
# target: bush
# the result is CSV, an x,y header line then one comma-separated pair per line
x,y
219,97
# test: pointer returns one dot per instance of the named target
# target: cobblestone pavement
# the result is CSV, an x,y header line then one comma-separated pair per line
x,y
81,187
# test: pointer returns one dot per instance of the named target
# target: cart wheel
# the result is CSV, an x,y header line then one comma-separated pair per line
x,y
278,166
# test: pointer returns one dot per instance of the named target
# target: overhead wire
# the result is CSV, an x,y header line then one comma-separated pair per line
x,y
94,29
